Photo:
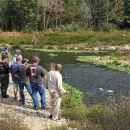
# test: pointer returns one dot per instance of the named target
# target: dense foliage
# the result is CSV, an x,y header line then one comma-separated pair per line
x,y
37,15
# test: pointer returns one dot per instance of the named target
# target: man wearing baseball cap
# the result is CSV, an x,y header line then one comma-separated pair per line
x,y
17,54
23,79
4,76
37,74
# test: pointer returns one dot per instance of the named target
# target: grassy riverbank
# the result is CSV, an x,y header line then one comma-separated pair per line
x,y
117,60
81,39
96,117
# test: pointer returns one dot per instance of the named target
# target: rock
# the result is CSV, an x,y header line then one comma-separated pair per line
x,y
51,54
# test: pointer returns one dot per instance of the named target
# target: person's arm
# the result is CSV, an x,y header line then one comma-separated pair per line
x,y
46,84
59,85
6,66
8,51
16,73
21,57
44,77
27,72
3,51
43,74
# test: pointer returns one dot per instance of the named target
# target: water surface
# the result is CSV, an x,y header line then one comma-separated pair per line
x,y
98,83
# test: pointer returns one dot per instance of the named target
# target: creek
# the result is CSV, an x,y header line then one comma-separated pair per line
x,y
99,84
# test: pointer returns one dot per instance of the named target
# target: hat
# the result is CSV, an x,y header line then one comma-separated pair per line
x,y
4,56
18,50
6,45
24,60
36,59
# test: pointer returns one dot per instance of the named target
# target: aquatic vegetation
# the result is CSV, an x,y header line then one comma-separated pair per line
x,y
112,62
54,50
51,54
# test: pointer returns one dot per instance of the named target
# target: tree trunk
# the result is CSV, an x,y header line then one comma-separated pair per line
x,y
56,19
44,20
60,18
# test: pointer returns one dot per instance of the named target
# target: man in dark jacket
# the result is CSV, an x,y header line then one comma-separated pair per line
x,y
4,76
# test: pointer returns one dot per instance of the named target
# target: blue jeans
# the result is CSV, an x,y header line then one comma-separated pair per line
x,y
36,88
29,89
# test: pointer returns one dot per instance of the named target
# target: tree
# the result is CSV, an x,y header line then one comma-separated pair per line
x,y
20,14
106,11
127,12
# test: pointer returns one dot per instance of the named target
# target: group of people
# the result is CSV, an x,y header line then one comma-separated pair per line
x,y
32,78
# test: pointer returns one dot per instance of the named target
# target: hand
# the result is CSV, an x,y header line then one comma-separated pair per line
x,y
67,92
55,92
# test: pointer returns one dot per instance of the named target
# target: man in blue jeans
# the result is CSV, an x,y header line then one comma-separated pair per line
x,y
37,74
23,79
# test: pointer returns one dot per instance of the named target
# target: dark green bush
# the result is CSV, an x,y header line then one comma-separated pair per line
x,y
108,27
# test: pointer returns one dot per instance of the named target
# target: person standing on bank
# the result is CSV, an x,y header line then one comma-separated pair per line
x,y
34,40
4,76
37,74
21,74
56,90
15,80
17,54
6,50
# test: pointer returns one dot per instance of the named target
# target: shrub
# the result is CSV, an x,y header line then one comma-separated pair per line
x,y
111,118
70,28
108,27
73,110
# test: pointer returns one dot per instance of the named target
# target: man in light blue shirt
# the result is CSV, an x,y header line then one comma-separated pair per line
x,y
17,54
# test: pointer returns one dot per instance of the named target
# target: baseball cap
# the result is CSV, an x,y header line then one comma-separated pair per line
x,y
18,50
4,56
24,60
36,59
6,45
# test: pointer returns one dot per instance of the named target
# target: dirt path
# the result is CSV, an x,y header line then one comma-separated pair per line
x,y
34,119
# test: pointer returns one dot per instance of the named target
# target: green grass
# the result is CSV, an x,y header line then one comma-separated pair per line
x,y
76,94
49,37
96,117
60,50
112,62
62,127
54,50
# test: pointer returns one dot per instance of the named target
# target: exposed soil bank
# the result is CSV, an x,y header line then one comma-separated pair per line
x,y
75,48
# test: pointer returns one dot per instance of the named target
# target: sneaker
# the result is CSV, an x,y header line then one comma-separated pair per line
x,y
6,96
20,100
50,117
44,108
36,108
59,118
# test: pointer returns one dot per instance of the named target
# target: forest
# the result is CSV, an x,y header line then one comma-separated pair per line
x,y
39,15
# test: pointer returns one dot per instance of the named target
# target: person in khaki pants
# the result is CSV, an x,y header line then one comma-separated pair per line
x,y
56,90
